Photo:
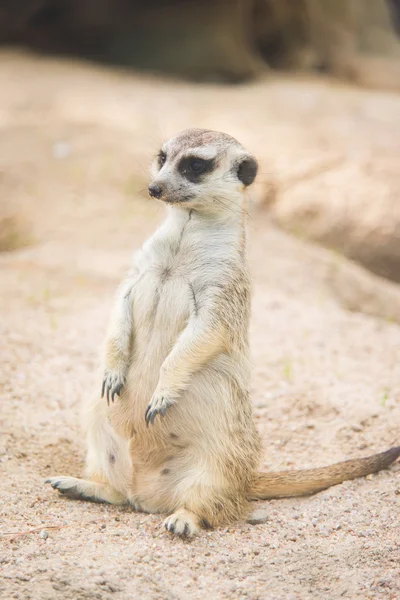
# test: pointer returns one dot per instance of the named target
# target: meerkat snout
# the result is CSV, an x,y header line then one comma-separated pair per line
x,y
156,191
203,170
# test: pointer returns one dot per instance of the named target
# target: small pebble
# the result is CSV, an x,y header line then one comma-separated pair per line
x,y
257,517
43,534
357,427
146,559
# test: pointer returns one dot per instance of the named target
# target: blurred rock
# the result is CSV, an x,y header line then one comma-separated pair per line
x,y
357,40
360,291
208,40
353,208
258,516
217,40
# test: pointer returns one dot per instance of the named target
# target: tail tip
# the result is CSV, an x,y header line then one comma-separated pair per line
x,y
392,454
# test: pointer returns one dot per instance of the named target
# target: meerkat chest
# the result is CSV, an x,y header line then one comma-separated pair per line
x,y
174,270
182,256
177,268
163,296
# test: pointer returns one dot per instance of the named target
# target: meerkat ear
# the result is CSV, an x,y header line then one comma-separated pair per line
x,y
247,170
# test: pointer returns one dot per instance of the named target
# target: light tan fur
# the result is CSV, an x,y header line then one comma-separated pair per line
x,y
176,433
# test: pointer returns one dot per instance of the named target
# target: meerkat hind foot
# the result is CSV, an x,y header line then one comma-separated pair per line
x,y
183,523
83,489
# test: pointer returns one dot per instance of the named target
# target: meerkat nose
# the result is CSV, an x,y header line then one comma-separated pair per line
x,y
156,191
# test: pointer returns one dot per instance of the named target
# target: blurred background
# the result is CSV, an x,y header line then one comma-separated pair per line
x,y
90,88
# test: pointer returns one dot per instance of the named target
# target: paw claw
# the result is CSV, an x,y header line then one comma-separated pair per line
x,y
55,482
147,414
113,383
158,405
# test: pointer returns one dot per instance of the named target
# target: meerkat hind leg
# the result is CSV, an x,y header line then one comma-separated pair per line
x,y
84,489
183,523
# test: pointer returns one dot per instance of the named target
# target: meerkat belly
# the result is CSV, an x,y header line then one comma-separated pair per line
x,y
173,454
161,308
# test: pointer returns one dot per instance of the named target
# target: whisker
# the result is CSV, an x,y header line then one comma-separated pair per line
x,y
229,205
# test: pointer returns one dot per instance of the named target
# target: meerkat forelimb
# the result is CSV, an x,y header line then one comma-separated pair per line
x,y
200,341
119,339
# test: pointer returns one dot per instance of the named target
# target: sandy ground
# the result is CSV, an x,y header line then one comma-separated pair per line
x,y
74,146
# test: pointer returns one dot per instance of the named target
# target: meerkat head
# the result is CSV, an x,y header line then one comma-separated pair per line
x,y
202,170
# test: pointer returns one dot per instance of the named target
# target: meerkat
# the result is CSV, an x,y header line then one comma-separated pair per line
x,y
172,431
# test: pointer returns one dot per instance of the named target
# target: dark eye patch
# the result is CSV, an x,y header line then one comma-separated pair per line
x,y
193,168
162,157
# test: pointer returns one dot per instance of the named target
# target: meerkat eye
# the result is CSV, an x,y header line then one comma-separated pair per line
x,y
162,157
197,166
194,168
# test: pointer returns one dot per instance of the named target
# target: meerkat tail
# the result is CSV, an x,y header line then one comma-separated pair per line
x,y
309,481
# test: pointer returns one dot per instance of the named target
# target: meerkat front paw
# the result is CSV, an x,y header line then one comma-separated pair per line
x,y
113,382
158,405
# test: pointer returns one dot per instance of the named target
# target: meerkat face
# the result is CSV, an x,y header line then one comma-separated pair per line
x,y
203,170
